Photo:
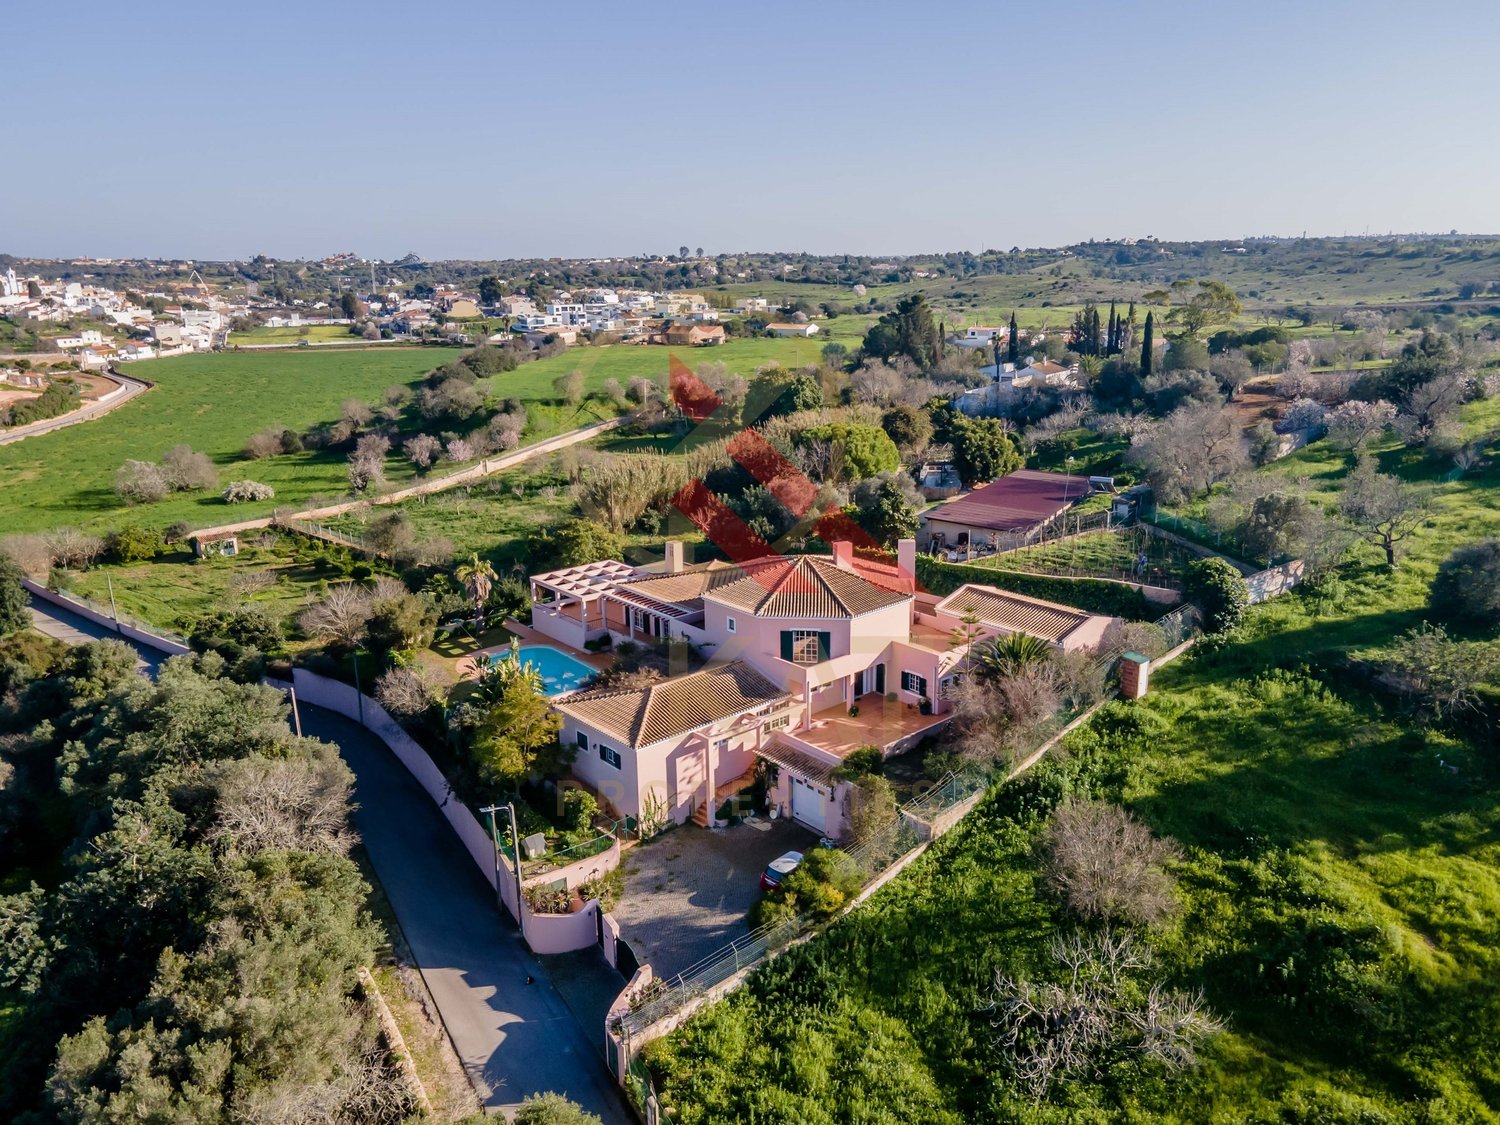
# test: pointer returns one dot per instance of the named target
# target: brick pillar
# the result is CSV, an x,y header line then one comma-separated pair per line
x,y
1135,671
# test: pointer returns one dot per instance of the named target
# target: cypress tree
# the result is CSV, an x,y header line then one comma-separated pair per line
x,y
1112,345
1096,334
1127,330
1013,345
1146,342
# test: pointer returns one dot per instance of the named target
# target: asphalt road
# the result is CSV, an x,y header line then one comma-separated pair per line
x,y
85,413
514,1038
68,627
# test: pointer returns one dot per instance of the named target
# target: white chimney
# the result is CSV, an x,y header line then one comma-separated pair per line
x,y
906,561
674,556
843,553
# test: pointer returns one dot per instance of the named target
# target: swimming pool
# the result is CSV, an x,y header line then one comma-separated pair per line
x,y
559,671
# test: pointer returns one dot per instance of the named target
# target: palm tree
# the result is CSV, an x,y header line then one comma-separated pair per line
x,y
1005,656
477,576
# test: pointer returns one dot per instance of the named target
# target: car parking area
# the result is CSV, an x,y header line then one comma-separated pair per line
x,y
687,892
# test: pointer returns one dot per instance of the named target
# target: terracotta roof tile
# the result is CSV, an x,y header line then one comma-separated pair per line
x,y
671,708
1016,501
799,586
1013,612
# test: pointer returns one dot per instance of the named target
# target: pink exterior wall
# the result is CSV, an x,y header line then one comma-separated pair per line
x,y
563,933
675,768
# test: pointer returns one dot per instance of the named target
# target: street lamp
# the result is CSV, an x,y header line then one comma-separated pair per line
x,y
515,839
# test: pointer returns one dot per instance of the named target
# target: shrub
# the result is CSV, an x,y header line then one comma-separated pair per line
x,y
1219,590
241,491
550,1108
1467,586
186,470
1107,866
133,544
140,482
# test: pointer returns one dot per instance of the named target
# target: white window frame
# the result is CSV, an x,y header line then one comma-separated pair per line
x,y
800,637
609,756
908,681
729,624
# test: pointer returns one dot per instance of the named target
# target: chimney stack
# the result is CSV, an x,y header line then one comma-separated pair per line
x,y
674,556
843,553
906,561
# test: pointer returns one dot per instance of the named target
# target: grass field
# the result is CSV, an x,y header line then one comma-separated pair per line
x,y
213,403
625,362
1340,886
313,333
174,590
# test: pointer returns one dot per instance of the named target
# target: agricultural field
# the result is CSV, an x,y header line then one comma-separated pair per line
x,y
214,403
624,362
312,333
1100,554
1339,891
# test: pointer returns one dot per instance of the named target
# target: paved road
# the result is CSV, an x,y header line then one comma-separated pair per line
x,y
515,1039
85,413
74,630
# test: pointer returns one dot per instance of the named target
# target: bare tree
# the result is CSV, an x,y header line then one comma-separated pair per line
x,y
354,414
1106,865
1352,424
29,552
422,450
407,692
339,617
264,443
367,462
1442,676
284,803
1382,509
1189,450
70,547
569,387
140,482
1048,1032
186,470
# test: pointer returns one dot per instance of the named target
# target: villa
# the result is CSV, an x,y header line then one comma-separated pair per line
x,y
809,658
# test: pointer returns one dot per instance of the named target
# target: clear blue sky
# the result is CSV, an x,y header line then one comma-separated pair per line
x,y
474,129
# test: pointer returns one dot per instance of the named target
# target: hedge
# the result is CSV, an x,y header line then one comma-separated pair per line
x,y
1092,595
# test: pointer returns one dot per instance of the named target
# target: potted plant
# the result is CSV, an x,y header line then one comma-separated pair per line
x,y
925,706
854,710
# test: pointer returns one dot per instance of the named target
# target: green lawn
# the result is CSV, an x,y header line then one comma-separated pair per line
x,y
1340,884
174,590
213,403
310,332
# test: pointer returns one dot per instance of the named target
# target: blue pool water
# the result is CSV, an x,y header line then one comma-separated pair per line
x,y
559,671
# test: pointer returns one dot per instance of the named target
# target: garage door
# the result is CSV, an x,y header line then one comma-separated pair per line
x,y
807,804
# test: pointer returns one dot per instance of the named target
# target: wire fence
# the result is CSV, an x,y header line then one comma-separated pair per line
x,y
328,535
553,861
920,820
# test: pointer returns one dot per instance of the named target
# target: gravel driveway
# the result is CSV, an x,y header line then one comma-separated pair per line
x,y
687,892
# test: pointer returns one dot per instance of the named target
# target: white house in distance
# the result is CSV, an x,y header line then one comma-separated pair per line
x,y
789,329
981,336
810,657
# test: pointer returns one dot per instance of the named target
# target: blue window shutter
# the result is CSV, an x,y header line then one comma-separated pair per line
x,y
825,646
786,645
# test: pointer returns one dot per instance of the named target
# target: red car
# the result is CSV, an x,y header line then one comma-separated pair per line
x,y
778,869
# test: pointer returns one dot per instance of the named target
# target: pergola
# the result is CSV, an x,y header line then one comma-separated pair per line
x,y
574,589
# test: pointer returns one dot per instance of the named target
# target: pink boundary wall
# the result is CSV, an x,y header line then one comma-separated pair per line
x,y
140,636
545,933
